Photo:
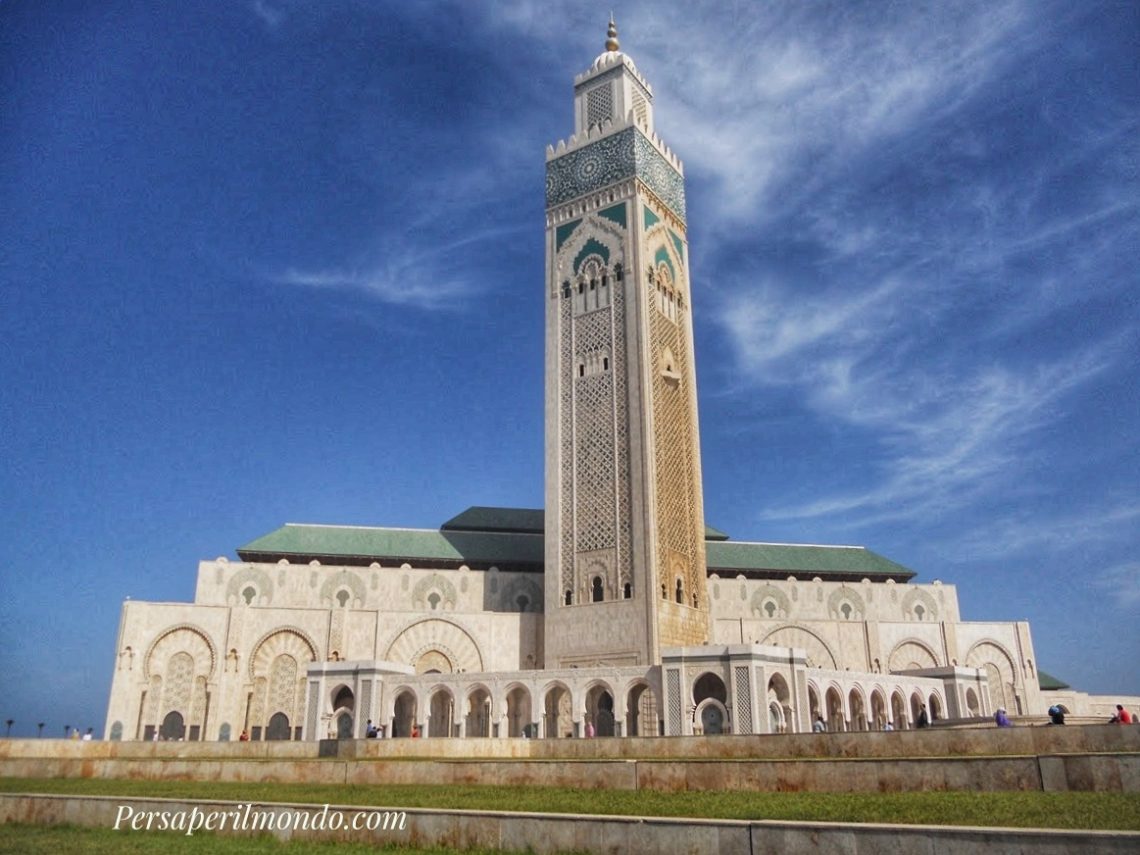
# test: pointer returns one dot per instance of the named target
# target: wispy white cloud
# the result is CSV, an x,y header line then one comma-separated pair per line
x,y
1027,530
1122,581
945,429
415,272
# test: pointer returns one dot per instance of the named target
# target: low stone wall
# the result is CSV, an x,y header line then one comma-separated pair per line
x,y
1085,772
932,742
1100,758
544,833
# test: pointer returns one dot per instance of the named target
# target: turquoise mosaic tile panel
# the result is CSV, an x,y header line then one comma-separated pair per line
x,y
623,155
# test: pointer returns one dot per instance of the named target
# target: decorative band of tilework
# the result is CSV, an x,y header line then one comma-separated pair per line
x,y
626,154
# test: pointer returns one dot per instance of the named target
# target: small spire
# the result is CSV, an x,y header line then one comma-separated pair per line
x,y
611,35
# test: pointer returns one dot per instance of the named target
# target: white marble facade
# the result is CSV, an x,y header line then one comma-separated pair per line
x,y
304,650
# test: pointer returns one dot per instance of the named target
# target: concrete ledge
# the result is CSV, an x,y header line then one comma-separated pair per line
x,y
550,833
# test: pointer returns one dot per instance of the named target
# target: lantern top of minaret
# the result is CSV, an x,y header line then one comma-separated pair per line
x,y
612,57
612,43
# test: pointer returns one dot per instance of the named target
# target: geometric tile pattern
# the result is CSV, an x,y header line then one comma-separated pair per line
x,y
617,157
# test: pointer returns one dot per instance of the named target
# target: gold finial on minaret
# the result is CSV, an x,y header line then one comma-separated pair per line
x,y
611,35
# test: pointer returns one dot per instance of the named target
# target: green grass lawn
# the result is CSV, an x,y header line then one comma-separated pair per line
x,y
1108,811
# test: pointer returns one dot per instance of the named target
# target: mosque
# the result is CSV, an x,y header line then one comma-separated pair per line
x,y
614,611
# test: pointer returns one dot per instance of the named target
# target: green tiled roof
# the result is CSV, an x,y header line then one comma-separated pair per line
x,y
714,533
1048,681
477,518
801,560
513,538
356,544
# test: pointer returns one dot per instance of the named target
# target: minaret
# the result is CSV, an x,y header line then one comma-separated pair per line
x,y
625,549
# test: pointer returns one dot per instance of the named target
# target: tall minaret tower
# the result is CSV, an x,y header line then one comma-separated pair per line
x,y
625,548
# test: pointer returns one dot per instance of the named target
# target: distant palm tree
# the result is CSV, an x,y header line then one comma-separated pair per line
x,y
66,730
41,730
10,722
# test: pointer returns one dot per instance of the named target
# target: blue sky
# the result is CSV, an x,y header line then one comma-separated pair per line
x,y
282,261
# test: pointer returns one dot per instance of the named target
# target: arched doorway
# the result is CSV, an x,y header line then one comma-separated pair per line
x,y
556,713
442,708
815,711
600,710
710,697
173,727
916,705
780,718
641,712
711,716
404,714
278,729
344,726
478,719
934,704
518,712
709,685
858,710
879,715
973,707
898,711
835,719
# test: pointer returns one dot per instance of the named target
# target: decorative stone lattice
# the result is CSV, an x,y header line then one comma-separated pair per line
x,y
282,686
198,707
675,462
640,108
743,699
594,442
365,707
626,154
336,633
599,104
313,710
674,692
153,698
179,679
257,707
